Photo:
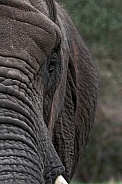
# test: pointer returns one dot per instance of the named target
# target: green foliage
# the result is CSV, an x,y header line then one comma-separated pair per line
x,y
100,24
103,159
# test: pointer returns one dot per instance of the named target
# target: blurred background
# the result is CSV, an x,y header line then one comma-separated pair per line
x,y
100,24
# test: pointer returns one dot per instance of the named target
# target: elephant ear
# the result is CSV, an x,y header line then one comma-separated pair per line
x,y
74,103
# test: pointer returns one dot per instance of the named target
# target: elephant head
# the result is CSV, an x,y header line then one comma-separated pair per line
x,y
48,87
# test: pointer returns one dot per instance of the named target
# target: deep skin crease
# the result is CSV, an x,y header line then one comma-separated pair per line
x,y
48,91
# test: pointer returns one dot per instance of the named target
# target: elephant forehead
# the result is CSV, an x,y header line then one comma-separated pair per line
x,y
40,5
23,27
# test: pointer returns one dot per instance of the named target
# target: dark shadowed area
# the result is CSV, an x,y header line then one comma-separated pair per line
x,y
100,24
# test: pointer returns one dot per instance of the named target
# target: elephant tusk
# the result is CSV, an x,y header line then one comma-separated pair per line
x,y
60,180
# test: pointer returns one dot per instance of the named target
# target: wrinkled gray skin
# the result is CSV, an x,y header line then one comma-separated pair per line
x,y
48,86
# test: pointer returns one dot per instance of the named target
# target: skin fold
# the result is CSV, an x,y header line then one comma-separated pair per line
x,y
48,91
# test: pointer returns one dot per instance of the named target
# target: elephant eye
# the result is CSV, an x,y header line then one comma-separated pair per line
x,y
51,68
53,62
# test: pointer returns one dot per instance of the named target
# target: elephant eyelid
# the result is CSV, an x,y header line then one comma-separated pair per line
x,y
57,47
54,57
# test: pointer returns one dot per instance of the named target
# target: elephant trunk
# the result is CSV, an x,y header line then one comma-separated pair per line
x,y
26,151
19,161
18,158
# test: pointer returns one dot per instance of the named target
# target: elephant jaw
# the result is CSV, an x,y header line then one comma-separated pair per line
x,y
60,180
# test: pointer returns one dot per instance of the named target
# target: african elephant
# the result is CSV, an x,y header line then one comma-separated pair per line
x,y
48,89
